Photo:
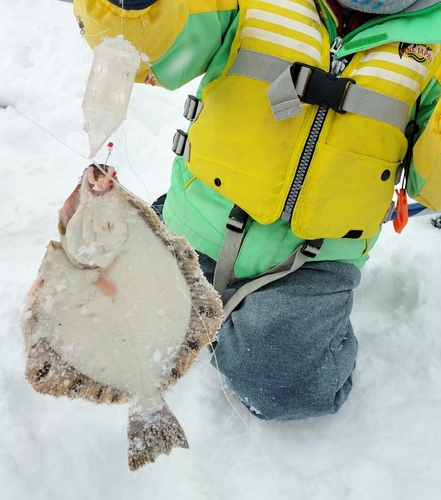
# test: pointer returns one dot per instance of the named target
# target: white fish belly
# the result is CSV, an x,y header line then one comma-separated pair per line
x,y
130,341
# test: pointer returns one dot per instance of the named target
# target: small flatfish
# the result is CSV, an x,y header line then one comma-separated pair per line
x,y
119,311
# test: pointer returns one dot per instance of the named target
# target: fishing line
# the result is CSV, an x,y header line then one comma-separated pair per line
x,y
153,220
219,374
97,165
102,170
126,144
47,131
160,229
137,198
227,397
122,17
82,31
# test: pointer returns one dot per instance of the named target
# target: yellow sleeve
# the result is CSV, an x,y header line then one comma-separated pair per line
x,y
152,30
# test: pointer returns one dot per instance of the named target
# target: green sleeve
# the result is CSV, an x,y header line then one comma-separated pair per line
x,y
197,47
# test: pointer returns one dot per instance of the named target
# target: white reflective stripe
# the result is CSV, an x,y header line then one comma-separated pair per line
x,y
286,4
406,62
261,15
391,76
284,41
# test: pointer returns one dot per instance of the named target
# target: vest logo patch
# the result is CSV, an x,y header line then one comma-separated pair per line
x,y
417,51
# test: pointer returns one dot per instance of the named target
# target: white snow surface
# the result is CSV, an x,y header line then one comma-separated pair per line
x,y
384,444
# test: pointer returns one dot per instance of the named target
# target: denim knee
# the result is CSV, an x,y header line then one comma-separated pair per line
x,y
270,408
309,386
289,350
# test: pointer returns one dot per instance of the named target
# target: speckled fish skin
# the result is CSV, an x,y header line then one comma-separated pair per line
x,y
119,311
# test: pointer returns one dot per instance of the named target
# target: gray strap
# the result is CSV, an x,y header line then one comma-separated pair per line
x,y
186,154
298,259
226,260
283,97
358,100
224,272
258,65
365,102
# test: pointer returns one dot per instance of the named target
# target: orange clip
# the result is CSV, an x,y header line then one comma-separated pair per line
x,y
402,211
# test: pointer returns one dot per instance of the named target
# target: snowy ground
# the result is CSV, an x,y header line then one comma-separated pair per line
x,y
383,445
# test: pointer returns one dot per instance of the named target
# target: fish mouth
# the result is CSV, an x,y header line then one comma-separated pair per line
x,y
101,179
97,181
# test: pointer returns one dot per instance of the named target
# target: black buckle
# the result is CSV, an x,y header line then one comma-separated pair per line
x,y
237,220
324,89
311,248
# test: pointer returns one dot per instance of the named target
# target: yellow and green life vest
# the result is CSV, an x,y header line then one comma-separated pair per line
x,y
245,148
331,173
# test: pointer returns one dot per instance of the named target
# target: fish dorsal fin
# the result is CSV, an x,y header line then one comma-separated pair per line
x,y
206,311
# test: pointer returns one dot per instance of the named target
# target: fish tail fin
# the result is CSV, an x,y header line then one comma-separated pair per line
x,y
152,435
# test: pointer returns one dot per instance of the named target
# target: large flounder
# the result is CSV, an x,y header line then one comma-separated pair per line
x,y
119,311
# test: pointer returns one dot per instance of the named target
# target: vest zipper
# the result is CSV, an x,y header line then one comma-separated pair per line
x,y
337,68
304,162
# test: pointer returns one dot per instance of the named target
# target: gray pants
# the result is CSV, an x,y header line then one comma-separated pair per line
x,y
288,350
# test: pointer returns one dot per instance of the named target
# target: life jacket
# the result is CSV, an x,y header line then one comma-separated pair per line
x,y
316,144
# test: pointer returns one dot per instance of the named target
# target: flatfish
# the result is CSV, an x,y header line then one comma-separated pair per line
x,y
119,311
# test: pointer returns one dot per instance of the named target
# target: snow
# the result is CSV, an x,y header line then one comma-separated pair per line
x,y
385,442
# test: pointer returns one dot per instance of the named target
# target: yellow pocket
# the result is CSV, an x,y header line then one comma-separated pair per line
x,y
241,152
344,195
